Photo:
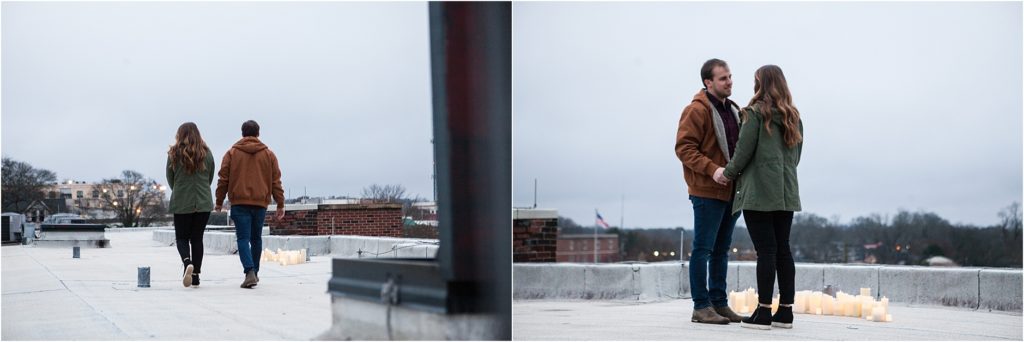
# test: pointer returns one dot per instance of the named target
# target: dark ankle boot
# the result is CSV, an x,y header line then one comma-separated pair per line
x,y
195,279
760,319
186,278
783,318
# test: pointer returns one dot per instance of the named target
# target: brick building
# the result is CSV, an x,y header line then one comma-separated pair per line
x,y
377,219
534,234
580,248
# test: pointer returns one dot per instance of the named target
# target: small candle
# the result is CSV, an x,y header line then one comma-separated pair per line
x,y
877,314
826,305
866,306
816,303
888,318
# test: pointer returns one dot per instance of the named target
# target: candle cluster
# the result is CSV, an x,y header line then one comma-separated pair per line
x,y
284,257
817,303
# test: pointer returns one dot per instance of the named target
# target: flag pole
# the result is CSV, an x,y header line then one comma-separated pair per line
x,y
595,236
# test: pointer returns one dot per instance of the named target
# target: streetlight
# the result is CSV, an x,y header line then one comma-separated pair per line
x,y
655,253
673,253
734,250
115,203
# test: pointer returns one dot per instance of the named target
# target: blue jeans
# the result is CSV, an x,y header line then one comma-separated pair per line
x,y
249,232
709,261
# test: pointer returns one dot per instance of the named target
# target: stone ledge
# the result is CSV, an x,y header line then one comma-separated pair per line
x,y
975,288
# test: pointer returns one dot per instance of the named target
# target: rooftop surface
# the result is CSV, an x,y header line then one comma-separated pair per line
x,y
670,320
48,295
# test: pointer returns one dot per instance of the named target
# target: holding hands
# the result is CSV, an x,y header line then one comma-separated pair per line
x,y
720,176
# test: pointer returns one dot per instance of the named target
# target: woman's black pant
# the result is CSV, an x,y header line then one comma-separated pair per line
x,y
188,232
769,230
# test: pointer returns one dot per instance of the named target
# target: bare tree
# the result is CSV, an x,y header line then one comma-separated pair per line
x,y
23,184
391,193
134,199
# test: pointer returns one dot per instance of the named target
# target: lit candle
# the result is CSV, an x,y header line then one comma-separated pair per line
x,y
741,303
751,300
816,302
865,291
867,305
888,318
877,314
826,305
798,302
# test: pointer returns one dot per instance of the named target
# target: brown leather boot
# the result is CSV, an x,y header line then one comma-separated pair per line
x,y
250,280
708,315
727,312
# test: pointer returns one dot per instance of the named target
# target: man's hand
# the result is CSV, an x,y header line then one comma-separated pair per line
x,y
280,214
218,208
720,176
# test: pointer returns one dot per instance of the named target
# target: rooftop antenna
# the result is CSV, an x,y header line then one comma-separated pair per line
x,y
535,193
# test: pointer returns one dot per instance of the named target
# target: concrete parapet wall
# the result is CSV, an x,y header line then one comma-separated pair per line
x,y
342,246
977,288
1000,289
929,285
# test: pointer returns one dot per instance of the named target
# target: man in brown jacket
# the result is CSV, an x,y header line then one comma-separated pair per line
x,y
705,142
249,176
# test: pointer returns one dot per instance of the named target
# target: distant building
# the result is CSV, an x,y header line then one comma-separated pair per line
x,y
580,248
77,197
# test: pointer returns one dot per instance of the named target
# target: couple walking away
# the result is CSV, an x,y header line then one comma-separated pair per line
x,y
249,176
741,160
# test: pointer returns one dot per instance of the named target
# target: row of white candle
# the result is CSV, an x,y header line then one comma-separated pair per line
x,y
817,303
284,257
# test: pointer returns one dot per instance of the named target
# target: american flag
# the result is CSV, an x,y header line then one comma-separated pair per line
x,y
600,221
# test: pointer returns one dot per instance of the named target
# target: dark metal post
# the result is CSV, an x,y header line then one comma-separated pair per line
x,y
471,62
143,276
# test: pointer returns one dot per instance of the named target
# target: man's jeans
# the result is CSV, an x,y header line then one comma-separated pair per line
x,y
249,232
713,225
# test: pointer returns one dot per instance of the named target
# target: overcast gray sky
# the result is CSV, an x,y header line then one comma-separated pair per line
x,y
912,106
341,90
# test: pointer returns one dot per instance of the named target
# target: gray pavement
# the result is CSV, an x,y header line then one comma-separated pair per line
x,y
48,295
670,320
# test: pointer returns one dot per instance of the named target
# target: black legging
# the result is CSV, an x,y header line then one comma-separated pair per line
x,y
188,230
769,230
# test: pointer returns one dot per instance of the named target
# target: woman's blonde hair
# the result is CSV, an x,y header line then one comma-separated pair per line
x,y
772,92
189,149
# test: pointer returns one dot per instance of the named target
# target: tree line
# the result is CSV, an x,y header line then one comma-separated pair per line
x,y
906,238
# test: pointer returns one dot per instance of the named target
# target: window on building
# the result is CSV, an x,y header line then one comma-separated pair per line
x,y
80,194
120,193
95,194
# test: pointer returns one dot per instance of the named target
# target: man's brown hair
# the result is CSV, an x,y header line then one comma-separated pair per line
x,y
250,129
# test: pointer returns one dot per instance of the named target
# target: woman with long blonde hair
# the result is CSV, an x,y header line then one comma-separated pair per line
x,y
767,191
190,171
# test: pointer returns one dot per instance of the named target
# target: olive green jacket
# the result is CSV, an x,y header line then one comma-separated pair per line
x,y
763,167
190,193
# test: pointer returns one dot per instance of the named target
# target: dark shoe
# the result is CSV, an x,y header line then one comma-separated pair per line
x,y
709,316
195,279
783,318
257,277
726,312
186,279
761,319
250,280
